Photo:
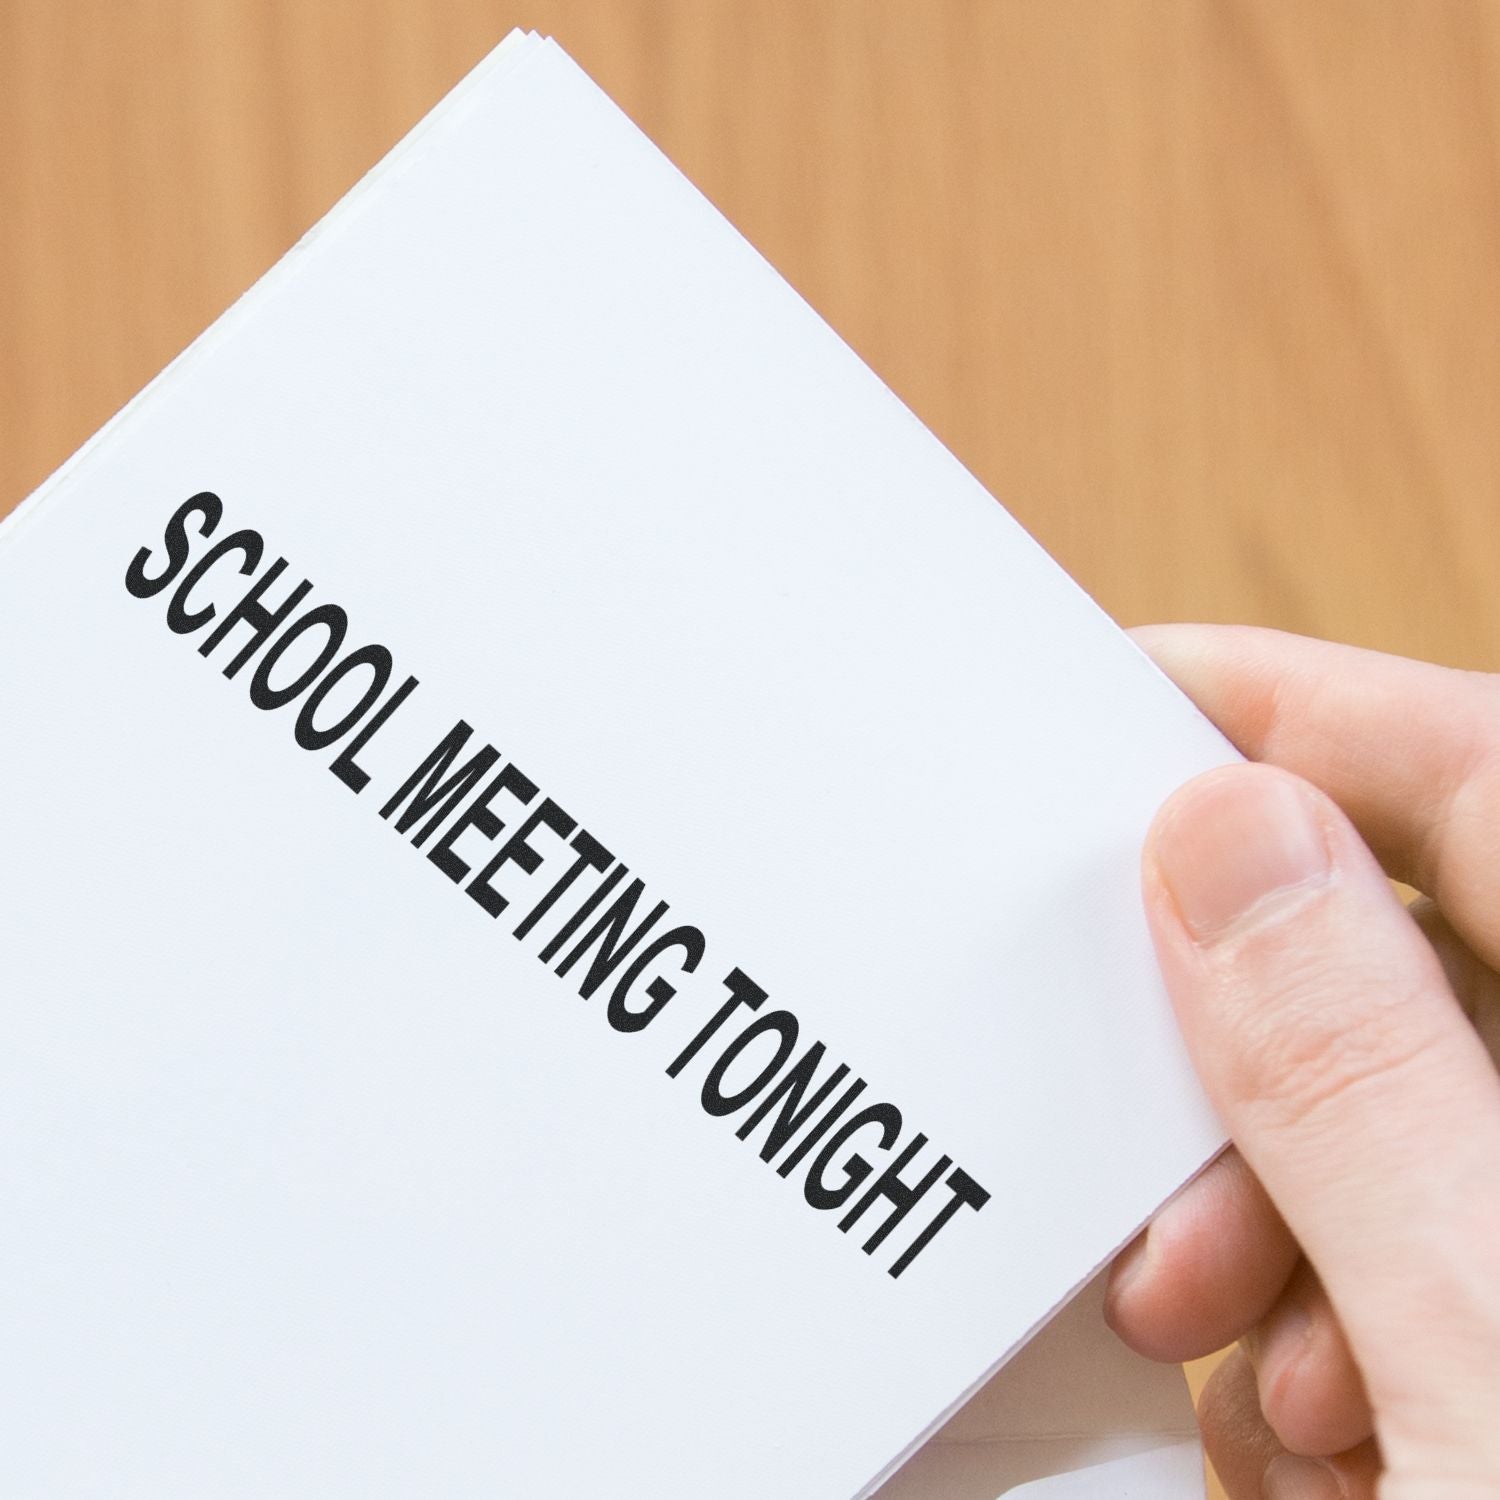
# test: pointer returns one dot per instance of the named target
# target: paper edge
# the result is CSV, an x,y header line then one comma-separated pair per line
x,y
515,48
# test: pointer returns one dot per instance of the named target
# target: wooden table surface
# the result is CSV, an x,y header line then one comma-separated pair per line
x,y
1207,291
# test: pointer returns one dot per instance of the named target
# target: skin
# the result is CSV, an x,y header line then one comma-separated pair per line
x,y
1350,1239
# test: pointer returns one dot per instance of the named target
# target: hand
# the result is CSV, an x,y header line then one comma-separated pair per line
x,y
1351,1238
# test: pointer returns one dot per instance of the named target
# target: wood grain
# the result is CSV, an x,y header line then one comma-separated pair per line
x,y
1207,293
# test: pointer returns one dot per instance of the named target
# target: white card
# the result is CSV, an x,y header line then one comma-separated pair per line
x,y
1074,1414
319,1179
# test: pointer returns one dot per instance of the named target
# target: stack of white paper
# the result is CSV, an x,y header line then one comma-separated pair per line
x,y
704,1023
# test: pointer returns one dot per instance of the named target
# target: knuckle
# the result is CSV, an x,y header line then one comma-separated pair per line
x,y
1308,1059
1313,1398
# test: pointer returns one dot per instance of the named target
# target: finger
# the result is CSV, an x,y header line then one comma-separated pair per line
x,y
1409,750
1238,1442
1250,1460
1475,984
1210,1266
1325,1033
1311,1391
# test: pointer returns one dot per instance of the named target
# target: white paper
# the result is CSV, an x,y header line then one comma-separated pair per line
x,y
316,1182
1074,1414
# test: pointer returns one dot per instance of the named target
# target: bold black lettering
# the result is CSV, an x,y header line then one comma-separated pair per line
x,y
658,992
792,1086
903,1195
856,1169
181,620
966,1193
515,850
616,945
327,616
714,1099
209,508
344,765
584,912
591,855
307,733
813,1136
429,793
479,814
743,990
252,612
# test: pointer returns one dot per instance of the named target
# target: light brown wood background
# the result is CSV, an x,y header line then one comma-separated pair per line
x,y
1207,291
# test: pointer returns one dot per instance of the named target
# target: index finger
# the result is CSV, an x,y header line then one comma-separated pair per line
x,y
1409,751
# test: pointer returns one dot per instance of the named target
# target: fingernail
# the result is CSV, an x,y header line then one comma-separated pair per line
x,y
1288,1477
1240,839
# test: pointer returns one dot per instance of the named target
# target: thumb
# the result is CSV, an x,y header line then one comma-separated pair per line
x,y
1324,1030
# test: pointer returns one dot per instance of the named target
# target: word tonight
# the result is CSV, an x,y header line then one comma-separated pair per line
x,y
519,856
